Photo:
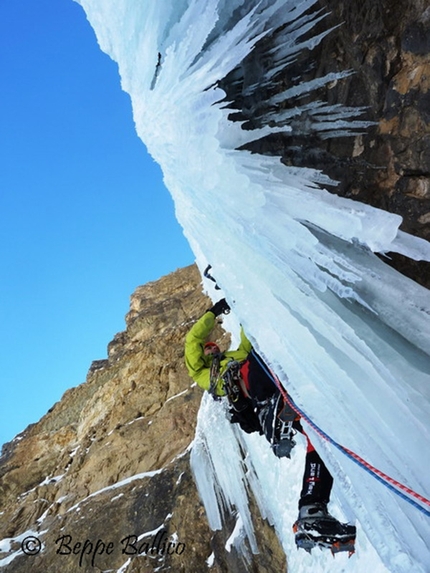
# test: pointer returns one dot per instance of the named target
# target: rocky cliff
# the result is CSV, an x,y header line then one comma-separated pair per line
x,y
102,482
386,46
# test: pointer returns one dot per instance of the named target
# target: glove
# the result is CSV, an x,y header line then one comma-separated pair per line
x,y
220,307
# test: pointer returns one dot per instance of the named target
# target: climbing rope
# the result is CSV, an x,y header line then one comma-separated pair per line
x,y
398,488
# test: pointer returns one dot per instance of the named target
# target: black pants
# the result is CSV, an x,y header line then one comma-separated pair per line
x,y
260,384
317,480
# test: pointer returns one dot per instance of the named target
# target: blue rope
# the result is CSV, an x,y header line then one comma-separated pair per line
x,y
334,443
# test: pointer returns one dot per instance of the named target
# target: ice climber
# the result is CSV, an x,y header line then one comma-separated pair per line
x,y
256,404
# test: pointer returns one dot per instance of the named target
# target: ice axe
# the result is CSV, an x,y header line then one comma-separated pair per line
x,y
207,274
210,277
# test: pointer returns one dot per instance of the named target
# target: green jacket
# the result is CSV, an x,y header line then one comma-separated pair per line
x,y
198,364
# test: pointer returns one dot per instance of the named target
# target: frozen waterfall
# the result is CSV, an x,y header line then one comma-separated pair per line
x,y
348,336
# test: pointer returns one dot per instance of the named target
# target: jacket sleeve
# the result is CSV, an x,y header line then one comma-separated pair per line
x,y
198,368
245,345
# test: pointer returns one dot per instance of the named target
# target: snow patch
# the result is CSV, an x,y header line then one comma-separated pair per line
x,y
117,485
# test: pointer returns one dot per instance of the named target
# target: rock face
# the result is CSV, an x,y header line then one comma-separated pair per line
x,y
386,44
103,479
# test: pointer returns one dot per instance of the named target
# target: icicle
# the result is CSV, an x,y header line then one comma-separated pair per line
x,y
347,334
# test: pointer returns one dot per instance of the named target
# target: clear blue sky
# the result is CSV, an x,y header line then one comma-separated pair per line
x,y
84,216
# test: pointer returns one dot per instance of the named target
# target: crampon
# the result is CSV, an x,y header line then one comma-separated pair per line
x,y
308,541
317,528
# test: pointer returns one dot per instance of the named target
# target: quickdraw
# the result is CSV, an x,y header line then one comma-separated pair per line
x,y
231,381
214,376
232,385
